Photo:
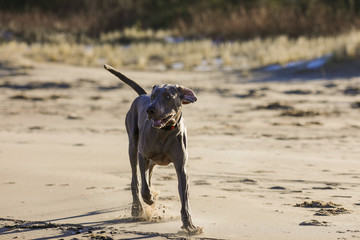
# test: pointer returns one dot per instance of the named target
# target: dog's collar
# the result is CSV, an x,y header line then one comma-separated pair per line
x,y
169,128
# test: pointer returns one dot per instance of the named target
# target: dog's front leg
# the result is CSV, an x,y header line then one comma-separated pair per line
x,y
184,198
179,159
145,190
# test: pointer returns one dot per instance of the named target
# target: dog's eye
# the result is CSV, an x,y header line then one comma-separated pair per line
x,y
152,97
167,97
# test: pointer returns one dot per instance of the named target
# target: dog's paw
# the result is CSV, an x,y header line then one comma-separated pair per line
x,y
148,198
137,211
191,230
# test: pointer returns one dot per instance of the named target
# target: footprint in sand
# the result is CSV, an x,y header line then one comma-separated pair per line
x,y
201,182
166,178
342,196
53,184
278,188
78,145
167,198
233,189
245,180
323,188
275,106
355,104
74,116
314,222
10,183
33,128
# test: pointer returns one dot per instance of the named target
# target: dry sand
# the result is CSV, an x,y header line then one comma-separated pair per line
x,y
267,159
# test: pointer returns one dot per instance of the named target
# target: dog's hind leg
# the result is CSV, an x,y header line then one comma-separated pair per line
x,y
151,167
136,210
145,190
133,134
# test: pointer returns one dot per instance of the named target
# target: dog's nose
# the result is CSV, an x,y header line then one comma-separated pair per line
x,y
151,110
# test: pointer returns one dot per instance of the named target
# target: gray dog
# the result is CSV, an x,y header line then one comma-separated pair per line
x,y
157,136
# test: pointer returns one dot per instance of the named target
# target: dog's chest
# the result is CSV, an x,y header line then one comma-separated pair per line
x,y
156,153
160,159
156,150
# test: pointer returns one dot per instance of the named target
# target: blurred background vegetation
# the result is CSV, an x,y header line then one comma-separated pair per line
x,y
222,19
183,34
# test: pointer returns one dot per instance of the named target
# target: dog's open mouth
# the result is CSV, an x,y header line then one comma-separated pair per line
x,y
159,123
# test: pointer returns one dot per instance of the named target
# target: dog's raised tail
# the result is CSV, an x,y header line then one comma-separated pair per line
x,y
126,80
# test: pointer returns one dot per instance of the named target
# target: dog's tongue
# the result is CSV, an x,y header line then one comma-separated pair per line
x,y
157,122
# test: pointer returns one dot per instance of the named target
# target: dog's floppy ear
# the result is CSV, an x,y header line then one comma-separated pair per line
x,y
153,88
186,95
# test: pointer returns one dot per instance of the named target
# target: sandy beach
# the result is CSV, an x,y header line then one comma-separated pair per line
x,y
268,159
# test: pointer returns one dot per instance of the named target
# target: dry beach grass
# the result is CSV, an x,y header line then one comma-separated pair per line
x,y
161,54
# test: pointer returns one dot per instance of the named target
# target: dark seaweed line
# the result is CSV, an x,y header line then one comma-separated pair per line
x,y
21,224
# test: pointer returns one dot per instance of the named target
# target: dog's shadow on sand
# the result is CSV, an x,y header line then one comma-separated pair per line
x,y
13,227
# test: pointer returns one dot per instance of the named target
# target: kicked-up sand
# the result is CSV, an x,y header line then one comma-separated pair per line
x,y
267,159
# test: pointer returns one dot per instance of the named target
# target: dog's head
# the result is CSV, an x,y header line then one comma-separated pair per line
x,y
166,104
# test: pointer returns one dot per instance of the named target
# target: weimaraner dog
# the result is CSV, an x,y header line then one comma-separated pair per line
x,y
157,136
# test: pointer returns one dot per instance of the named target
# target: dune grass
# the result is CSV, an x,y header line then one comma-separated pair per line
x,y
157,54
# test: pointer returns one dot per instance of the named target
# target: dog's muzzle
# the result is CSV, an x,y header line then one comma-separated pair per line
x,y
151,112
